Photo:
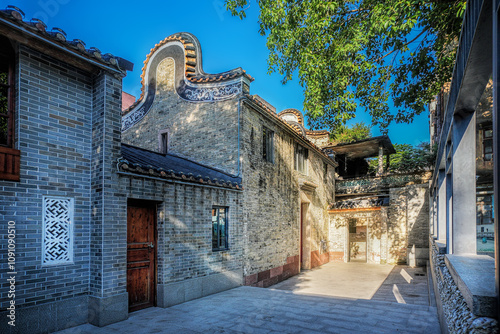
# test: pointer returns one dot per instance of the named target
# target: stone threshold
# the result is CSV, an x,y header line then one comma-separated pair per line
x,y
475,277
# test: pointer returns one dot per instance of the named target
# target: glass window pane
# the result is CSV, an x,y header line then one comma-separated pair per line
x,y
4,130
215,229
4,76
4,102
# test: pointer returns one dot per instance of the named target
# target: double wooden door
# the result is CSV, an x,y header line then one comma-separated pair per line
x,y
141,255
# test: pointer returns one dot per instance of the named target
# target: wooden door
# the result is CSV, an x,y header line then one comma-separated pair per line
x,y
141,255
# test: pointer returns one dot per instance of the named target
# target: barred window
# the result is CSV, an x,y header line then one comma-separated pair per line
x,y
301,154
57,230
268,144
219,228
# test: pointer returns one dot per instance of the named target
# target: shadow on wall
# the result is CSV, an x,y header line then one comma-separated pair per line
x,y
387,238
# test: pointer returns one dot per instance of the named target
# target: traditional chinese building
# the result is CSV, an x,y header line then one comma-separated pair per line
x,y
380,218
286,181
464,185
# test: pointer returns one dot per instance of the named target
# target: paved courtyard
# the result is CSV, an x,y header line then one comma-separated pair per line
x,y
398,284
306,303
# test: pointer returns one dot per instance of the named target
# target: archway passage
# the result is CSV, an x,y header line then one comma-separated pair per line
x,y
357,241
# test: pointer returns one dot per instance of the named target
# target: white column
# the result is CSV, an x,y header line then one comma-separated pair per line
x,y
464,184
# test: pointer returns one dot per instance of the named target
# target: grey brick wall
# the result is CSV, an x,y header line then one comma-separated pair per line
x,y
108,258
185,227
272,196
54,106
206,132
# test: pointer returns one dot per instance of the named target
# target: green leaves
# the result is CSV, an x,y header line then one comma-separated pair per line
x,y
356,132
409,158
351,53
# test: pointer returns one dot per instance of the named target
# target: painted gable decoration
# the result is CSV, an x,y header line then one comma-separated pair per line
x,y
175,64
295,119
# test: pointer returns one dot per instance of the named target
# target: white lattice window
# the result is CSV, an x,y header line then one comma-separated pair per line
x,y
57,245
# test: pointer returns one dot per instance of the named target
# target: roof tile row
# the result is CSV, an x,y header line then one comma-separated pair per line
x,y
16,16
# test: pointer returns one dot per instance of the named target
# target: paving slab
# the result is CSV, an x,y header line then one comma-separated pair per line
x,y
350,280
258,310
399,284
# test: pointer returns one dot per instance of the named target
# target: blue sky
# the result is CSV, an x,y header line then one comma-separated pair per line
x,y
129,29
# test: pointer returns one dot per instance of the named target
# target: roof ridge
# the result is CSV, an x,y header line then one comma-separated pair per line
x,y
260,104
193,69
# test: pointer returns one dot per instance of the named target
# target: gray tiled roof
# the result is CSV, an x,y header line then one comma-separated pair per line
x,y
170,166
15,18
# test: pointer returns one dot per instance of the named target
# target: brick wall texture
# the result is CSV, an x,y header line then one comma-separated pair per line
x,y
205,132
184,227
272,196
53,132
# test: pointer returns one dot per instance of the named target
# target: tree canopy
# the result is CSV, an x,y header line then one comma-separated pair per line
x,y
346,134
409,158
361,53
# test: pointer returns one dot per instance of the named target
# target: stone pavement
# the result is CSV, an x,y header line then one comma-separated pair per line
x,y
258,310
398,284
334,298
350,280
405,285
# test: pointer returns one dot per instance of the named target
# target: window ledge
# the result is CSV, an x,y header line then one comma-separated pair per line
x,y
475,278
441,246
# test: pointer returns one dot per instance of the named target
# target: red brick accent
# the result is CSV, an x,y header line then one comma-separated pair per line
x,y
264,275
318,259
276,271
250,279
127,100
275,275
337,256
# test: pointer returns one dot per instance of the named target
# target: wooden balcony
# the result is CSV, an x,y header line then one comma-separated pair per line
x,y
10,163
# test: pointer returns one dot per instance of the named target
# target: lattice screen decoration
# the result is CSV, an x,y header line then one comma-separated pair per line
x,y
57,230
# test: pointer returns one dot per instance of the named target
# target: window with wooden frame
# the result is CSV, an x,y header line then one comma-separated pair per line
x,y
219,228
9,157
268,144
488,143
163,141
301,154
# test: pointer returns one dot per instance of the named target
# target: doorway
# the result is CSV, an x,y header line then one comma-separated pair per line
x,y
357,240
305,238
141,254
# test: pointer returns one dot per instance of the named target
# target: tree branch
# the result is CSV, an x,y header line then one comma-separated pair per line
x,y
413,40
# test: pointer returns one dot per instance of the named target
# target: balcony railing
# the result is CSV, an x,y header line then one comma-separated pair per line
x,y
372,184
10,163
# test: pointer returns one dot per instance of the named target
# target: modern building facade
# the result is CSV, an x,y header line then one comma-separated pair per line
x,y
464,185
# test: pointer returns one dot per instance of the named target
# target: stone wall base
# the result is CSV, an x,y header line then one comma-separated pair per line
x,y
48,317
179,292
272,276
104,311
417,257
